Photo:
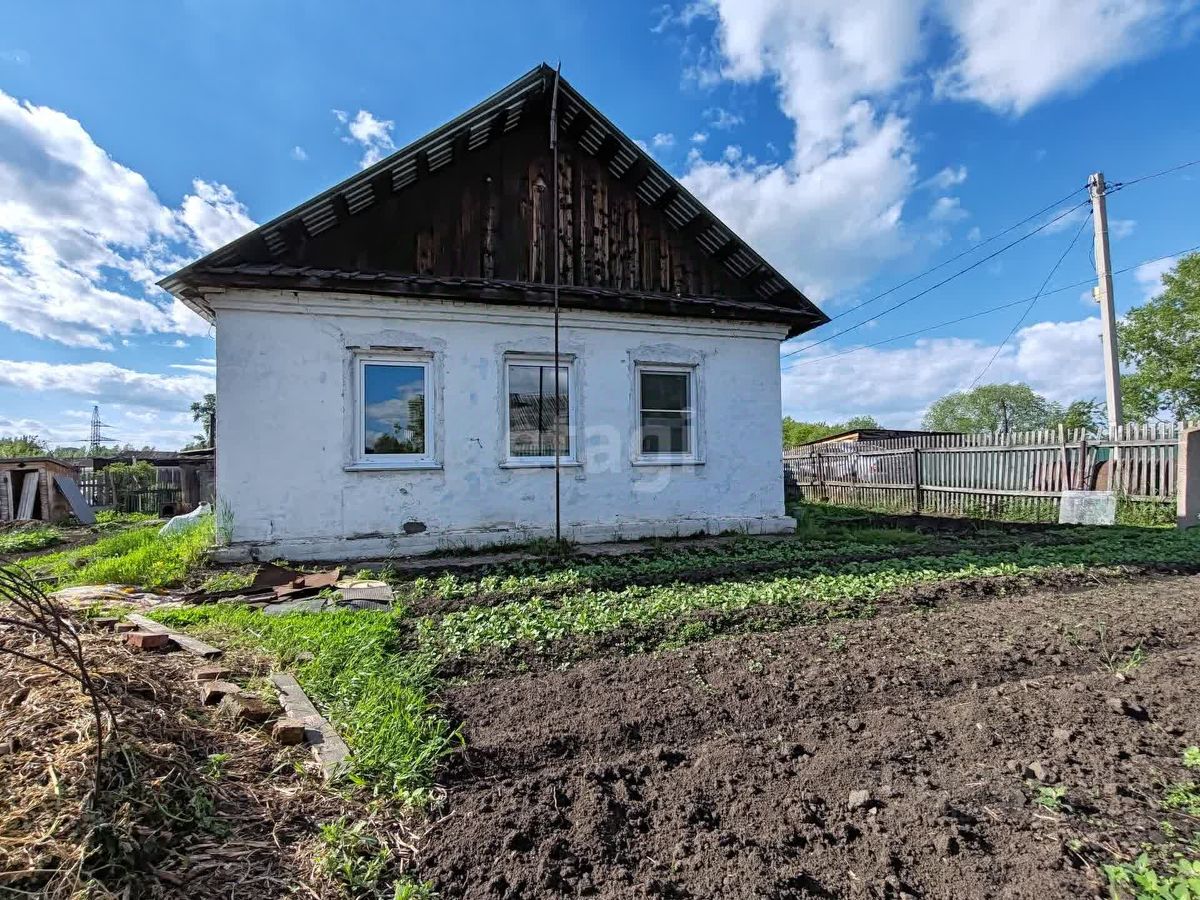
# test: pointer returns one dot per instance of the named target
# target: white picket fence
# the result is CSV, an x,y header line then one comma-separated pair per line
x,y
966,474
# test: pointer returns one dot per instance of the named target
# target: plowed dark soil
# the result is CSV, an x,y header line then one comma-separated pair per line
x,y
737,768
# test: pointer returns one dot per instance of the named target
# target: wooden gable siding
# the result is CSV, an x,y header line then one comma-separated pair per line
x,y
489,214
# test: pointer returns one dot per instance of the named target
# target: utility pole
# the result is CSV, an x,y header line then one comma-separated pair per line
x,y
1104,296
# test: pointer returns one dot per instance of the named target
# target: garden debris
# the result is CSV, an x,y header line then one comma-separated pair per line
x,y
361,594
330,750
190,644
107,595
182,801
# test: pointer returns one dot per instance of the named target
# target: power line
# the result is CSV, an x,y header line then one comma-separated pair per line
x,y
939,284
984,312
1029,308
1121,185
956,257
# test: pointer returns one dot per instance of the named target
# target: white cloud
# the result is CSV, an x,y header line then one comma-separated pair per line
x,y
1149,276
848,74
974,235
699,137
1060,360
947,209
1121,228
721,118
299,154
664,140
214,215
102,382
372,134
83,238
1011,60
945,179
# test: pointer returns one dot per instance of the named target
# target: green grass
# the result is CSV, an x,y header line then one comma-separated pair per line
x,y
379,700
137,556
105,517
23,540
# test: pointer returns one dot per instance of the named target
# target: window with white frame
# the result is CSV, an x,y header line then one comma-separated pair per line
x,y
532,425
666,412
394,416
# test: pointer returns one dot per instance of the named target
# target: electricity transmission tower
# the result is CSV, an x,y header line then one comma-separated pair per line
x,y
97,439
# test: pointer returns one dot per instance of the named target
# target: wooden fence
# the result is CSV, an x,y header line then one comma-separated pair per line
x,y
1021,474
165,494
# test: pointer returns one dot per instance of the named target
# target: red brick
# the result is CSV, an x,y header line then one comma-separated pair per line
x,y
146,640
210,673
213,692
288,732
252,709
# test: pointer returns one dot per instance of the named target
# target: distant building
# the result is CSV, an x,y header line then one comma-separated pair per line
x,y
867,434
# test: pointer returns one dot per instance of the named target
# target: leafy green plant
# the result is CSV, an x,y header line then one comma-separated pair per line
x,y
352,856
1050,798
1191,757
1182,796
411,890
1141,881
23,540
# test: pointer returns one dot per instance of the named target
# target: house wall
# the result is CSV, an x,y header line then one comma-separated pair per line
x,y
286,484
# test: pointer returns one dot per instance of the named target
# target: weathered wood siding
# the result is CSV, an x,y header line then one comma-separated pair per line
x,y
490,214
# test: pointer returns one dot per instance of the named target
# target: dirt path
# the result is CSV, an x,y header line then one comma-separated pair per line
x,y
727,769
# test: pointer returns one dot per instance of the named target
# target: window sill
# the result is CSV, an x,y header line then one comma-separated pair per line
x,y
423,465
540,463
667,461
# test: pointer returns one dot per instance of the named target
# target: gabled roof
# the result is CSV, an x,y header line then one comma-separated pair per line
x,y
280,254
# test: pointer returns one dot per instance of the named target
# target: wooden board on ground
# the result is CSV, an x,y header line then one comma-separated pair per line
x,y
79,506
330,750
188,643
29,488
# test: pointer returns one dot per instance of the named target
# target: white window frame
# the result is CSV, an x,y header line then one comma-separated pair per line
x,y
541,359
364,460
694,455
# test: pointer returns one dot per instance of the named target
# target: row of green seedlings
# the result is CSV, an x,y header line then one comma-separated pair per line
x,y
548,577
825,590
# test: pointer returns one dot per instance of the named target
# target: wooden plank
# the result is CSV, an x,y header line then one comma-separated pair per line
x,y
187,642
6,497
330,751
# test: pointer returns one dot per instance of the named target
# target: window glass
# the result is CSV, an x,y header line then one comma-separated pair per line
x,y
666,414
393,409
531,430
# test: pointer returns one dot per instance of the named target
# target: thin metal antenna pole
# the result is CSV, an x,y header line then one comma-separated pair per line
x,y
557,241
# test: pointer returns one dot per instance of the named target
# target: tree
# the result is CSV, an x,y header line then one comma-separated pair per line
x,y
205,412
1161,339
22,445
797,433
991,408
1085,414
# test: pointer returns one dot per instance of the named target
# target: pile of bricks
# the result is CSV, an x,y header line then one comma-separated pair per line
x,y
214,681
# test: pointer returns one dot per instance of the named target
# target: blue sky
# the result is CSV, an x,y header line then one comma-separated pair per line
x,y
854,144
